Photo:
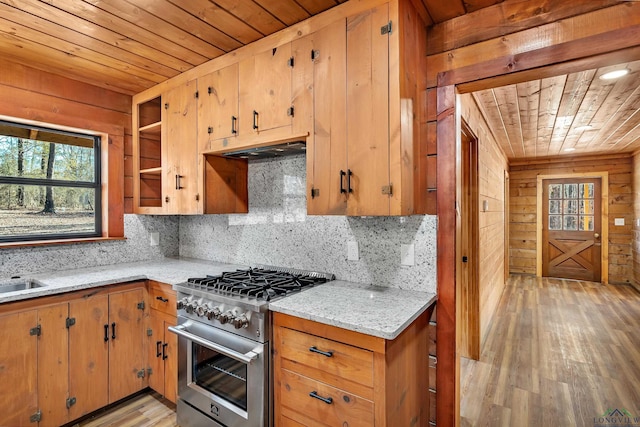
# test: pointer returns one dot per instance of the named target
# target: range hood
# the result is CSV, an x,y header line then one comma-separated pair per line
x,y
270,151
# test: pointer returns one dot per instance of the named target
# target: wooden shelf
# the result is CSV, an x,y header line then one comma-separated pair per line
x,y
153,128
151,171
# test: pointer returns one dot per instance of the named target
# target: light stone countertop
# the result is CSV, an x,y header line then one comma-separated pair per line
x,y
371,310
167,270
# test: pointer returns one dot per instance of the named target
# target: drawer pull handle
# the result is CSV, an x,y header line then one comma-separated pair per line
x,y
314,349
327,400
162,299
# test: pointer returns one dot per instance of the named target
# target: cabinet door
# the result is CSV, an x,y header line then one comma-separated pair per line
x,y
218,107
53,365
368,112
156,340
327,149
180,150
126,344
89,354
171,361
265,87
18,359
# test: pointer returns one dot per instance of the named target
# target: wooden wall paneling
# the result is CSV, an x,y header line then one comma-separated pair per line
x,y
448,367
635,243
604,30
490,22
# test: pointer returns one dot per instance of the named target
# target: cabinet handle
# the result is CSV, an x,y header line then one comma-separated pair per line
x,y
113,330
106,332
164,351
327,400
314,349
178,186
255,120
158,351
234,119
342,175
162,299
349,173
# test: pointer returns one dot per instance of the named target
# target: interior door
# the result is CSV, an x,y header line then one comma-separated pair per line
x,y
571,228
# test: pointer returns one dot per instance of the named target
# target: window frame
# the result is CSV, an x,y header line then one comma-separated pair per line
x,y
96,185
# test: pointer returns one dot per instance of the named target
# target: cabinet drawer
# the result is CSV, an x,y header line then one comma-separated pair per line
x,y
339,360
337,409
162,298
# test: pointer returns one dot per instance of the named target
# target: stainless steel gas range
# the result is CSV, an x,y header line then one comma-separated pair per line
x,y
224,332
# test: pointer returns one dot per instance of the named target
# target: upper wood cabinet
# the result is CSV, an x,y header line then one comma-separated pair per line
x,y
265,90
180,146
218,106
362,159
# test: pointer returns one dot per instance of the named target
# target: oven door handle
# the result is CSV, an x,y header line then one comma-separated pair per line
x,y
245,358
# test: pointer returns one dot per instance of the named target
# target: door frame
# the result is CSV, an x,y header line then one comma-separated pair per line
x,y
604,212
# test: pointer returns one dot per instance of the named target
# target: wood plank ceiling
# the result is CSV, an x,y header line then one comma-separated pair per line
x,y
131,45
571,114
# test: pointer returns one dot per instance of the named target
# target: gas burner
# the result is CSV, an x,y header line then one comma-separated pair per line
x,y
263,284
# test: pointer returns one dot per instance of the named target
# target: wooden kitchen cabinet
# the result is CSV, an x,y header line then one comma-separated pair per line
x,y
264,82
326,375
366,147
163,345
19,362
57,365
218,107
147,156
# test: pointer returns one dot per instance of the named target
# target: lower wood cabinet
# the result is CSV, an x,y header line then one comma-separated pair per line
x,y
163,345
324,375
64,356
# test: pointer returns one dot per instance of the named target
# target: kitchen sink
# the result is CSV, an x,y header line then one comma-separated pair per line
x,y
13,285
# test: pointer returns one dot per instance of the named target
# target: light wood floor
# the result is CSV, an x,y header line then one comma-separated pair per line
x,y
558,353
146,410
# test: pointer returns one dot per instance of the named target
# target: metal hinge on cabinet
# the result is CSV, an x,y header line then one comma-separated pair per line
x,y
290,111
290,62
197,197
70,402
387,189
166,106
70,322
140,373
197,94
141,305
37,417
149,332
386,29
315,54
149,371
35,331
315,192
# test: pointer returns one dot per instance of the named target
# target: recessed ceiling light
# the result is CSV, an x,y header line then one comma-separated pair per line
x,y
585,127
614,74
570,149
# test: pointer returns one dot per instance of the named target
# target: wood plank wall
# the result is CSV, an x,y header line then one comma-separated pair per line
x,y
523,182
32,94
492,164
635,243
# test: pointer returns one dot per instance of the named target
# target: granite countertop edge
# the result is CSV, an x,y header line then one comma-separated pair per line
x,y
376,311
386,318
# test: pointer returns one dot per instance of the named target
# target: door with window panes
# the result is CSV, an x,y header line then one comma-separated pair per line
x,y
571,228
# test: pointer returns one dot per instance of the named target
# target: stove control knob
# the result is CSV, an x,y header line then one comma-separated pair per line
x,y
213,313
190,308
182,303
241,322
201,310
226,317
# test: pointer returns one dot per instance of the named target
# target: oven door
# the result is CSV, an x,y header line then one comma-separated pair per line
x,y
222,374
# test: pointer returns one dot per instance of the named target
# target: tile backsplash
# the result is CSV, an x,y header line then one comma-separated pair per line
x,y
136,247
277,231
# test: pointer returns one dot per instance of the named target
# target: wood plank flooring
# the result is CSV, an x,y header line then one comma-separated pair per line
x,y
558,353
146,410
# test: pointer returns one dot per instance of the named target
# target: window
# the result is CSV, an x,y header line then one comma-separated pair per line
x,y
49,184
